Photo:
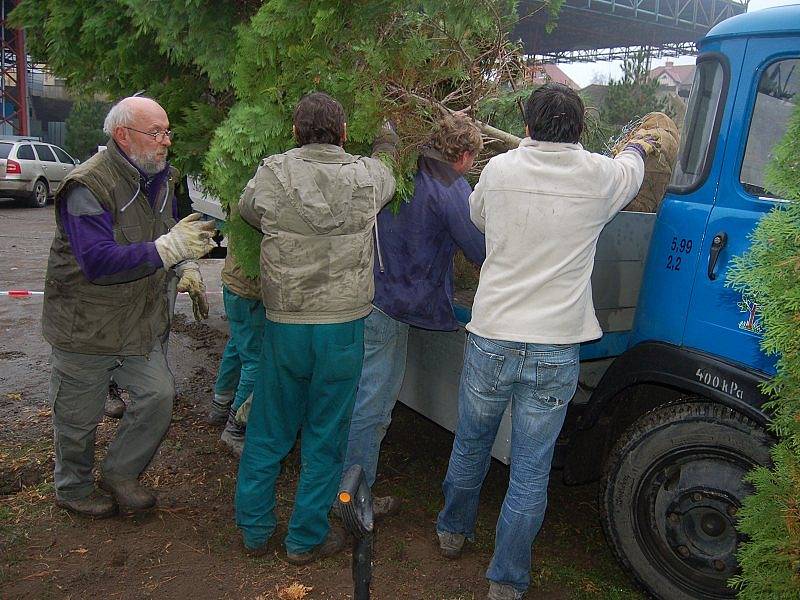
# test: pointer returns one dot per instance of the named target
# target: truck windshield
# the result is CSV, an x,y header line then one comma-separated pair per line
x,y
776,101
702,116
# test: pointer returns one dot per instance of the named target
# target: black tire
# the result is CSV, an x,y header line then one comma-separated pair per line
x,y
672,488
38,197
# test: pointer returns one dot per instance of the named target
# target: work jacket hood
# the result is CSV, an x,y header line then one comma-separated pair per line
x,y
322,197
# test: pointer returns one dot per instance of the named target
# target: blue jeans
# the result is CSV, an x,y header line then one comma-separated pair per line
x,y
238,368
385,344
539,381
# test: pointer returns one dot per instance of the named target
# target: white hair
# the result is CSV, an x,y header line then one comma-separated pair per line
x,y
120,115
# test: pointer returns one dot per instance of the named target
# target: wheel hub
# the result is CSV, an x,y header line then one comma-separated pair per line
x,y
687,512
700,529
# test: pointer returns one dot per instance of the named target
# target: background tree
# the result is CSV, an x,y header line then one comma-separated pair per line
x,y
85,128
634,95
770,274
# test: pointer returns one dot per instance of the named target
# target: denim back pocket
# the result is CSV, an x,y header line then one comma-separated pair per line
x,y
557,379
482,367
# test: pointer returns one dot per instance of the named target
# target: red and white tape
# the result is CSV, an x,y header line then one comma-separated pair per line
x,y
20,293
28,293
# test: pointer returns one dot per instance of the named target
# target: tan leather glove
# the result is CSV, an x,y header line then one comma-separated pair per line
x,y
189,238
192,282
649,140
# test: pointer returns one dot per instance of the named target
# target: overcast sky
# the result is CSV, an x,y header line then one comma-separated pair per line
x,y
584,73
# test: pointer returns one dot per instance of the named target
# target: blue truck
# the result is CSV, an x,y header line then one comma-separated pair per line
x,y
669,412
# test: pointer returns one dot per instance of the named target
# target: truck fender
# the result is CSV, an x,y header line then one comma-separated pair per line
x,y
682,372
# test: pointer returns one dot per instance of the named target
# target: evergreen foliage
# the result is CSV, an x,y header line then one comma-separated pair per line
x,y
84,128
769,273
230,73
634,95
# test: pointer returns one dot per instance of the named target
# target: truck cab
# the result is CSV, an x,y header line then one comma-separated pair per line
x,y
678,417
669,409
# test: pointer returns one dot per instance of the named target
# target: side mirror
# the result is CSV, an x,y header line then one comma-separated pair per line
x,y
76,161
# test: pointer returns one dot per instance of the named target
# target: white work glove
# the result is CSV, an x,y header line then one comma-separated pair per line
x,y
192,282
189,238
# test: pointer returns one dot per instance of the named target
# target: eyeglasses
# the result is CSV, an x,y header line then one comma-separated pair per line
x,y
158,136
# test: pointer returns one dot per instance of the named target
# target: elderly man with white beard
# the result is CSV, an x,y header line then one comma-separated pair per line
x,y
106,311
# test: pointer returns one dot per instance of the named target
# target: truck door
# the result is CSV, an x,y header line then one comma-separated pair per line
x,y
720,321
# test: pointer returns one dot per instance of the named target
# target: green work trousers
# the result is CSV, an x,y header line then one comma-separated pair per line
x,y
239,365
307,383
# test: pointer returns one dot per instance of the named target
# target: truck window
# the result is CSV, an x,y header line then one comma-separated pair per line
x,y
776,100
702,118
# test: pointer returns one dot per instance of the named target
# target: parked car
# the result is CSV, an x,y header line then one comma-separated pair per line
x,y
32,169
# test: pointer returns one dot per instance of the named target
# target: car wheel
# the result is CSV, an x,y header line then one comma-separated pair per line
x,y
38,198
673,485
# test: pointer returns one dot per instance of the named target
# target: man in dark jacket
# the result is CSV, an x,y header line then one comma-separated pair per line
x,y
106,310
414,283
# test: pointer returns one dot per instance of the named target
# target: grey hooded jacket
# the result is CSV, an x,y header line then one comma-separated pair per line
x,y
316,206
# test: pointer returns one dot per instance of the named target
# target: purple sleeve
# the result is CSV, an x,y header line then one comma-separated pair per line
x,y
634,147
469,238
89,229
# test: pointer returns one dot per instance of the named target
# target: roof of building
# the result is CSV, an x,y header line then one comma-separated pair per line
x,y
544,72
680,74
595,94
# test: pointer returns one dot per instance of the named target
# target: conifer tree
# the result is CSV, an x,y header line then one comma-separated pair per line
x,y
770,273
230,73
84,128
634,95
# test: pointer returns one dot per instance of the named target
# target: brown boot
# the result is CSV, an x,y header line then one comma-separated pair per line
x,y
131,495
333,543
95,505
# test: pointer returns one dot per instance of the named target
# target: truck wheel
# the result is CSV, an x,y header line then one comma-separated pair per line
x,y
673,485
38,198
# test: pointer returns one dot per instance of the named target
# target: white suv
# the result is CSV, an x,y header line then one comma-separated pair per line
x,y
31,169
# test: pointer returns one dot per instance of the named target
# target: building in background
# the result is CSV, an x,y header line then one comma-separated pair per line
x,y
674,78
48,105
541,73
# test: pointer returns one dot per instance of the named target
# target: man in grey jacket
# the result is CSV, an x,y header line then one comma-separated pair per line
x,y
106,311
316,206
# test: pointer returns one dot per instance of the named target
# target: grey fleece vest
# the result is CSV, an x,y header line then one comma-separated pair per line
x,y
123,319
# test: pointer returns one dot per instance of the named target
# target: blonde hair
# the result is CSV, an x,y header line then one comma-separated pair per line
x,y
454,135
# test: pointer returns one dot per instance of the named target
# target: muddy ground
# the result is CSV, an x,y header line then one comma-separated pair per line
x,y
189,547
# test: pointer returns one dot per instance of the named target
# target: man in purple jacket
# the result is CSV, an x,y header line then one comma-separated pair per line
x,y
413,283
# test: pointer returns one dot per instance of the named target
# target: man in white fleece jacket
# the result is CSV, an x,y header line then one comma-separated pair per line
x,y
542,207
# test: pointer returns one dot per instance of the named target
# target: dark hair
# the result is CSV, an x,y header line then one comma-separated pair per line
x,y
454,135
318,119
554,113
